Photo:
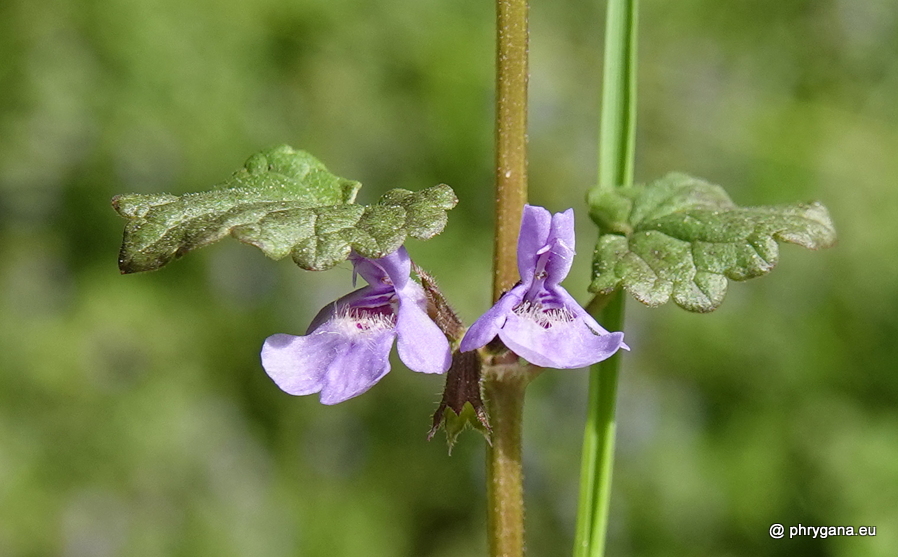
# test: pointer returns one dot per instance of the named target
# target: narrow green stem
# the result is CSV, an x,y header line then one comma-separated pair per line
x,y
598,442
504,396
617,129
617,133
511,137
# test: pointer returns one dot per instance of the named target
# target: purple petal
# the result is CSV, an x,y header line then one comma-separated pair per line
x,y
393,269
561,256
563,337
578,312
422,346
338,360
326,313
535,225
398,266
373,273
563,345
562,296
488,325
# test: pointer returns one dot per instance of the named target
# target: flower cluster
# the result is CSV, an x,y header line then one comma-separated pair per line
x,y
346,349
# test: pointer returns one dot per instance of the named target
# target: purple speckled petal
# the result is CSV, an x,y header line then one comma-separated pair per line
x,y
578,312
488,325
535,225
562,345
422,346
562,296
338,360
561,240
365,297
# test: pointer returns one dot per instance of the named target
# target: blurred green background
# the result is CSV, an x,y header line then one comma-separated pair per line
x,y
135,418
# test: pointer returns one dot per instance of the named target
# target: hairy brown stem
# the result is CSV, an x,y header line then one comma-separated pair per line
x,y
511,137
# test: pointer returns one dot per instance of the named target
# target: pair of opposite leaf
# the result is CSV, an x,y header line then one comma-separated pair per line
x,y
678,237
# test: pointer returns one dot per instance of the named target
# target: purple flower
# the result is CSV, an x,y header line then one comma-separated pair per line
x,y
347,347
537,319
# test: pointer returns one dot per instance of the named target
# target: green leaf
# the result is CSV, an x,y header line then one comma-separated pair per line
x,y
285,202
682,237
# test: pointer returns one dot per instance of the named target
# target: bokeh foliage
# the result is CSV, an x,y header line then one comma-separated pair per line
x,y
135,418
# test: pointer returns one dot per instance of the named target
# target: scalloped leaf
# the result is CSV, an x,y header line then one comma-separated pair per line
x,y
321,237
682,237
285,202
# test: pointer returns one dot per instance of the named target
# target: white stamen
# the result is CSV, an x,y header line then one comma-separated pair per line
x,y
544,317
360,321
